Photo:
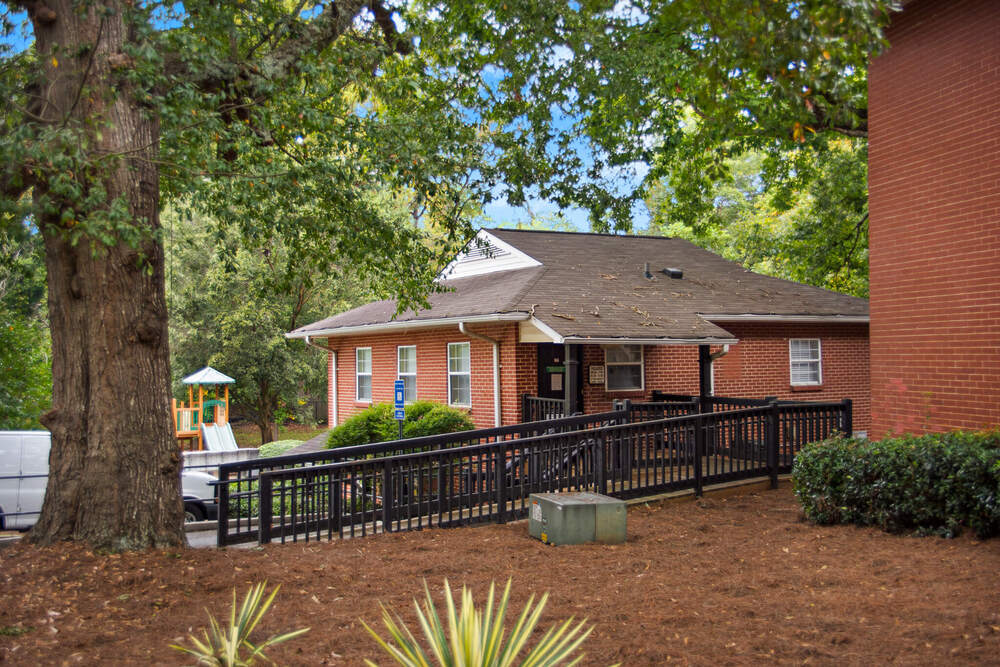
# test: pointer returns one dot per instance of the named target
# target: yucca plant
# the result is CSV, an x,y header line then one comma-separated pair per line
x,y
477,639
223,648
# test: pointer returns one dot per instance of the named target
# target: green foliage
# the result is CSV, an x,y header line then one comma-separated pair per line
x,y
277,448
376,424
479,638
231,647
25,373
813,230
937,483
25,364
230,308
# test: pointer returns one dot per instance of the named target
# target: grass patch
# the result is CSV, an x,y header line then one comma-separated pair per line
x,y
248,435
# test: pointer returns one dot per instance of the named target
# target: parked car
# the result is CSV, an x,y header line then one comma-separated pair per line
x,y
24,472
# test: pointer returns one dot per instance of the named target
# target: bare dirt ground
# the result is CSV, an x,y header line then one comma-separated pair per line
x,y
734,580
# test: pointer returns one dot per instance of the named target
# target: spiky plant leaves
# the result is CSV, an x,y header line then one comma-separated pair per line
x,y
478,638
223,648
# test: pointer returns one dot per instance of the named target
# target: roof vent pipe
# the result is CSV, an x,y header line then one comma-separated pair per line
x,y
673,273
646,273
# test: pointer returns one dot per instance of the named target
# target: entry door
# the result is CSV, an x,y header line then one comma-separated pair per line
x,y
552,371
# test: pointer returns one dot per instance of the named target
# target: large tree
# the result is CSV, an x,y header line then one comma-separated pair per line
x,y
815,231
272,115
230,307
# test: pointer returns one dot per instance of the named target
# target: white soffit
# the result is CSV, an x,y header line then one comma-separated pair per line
x,y
486,254
536,331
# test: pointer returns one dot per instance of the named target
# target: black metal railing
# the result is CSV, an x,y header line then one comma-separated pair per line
x,y
534,408
239,502
491,480
660,409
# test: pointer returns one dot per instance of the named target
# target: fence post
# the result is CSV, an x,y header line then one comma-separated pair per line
x,y
627,410
500,479
773,431
525,416
222,487
335,513
600,474
699,451
265,508
387,496
848,418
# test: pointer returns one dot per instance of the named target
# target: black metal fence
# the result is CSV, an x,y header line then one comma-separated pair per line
x,y
239,483
535,409
490,479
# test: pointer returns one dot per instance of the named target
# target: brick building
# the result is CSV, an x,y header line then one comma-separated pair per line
x,y
591,318
934,200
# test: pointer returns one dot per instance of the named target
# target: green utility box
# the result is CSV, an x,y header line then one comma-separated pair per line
x,y
576,518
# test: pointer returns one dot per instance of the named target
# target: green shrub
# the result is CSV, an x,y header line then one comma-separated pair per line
x,y
929,484
376,424
277,448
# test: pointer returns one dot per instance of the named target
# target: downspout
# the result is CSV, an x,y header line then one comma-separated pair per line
x,y
496,369
332,380
718,354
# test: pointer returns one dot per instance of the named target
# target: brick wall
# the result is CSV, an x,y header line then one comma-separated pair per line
x,y
432,369
756,367
934,199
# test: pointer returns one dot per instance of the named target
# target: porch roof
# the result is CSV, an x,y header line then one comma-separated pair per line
x,y
593,288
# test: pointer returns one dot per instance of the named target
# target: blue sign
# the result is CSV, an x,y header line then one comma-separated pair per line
x,y
400,393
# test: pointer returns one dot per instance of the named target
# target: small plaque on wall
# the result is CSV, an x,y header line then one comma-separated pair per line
x,y
596,374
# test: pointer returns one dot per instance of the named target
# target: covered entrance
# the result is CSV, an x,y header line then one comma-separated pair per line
x,y
553,380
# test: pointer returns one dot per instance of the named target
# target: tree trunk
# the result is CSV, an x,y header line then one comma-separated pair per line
x,y
114,467
268,431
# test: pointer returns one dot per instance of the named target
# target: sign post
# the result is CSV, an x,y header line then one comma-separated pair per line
x,y
400,405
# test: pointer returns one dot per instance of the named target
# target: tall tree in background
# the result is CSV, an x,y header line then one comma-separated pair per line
x,y
25,368
814,231
271,116
230,307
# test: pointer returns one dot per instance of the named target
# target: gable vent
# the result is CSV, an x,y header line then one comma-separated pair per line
x,y
485,251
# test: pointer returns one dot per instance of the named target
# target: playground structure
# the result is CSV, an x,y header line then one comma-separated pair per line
x,y
201,420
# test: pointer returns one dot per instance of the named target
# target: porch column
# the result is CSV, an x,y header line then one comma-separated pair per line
x,y
571,390
704,370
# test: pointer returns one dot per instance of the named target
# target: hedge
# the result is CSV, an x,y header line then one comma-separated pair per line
x,y
277,448
376,424
928,484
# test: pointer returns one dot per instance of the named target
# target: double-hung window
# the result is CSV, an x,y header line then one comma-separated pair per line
x,y
805,359
459,374
406,370
363,374
624,364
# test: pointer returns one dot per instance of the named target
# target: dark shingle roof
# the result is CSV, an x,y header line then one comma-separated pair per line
x,y
592,286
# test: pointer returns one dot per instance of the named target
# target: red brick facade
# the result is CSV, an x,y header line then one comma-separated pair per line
x,y
758,366
934,199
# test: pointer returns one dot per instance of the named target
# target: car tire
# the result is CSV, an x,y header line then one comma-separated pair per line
x,y
192,513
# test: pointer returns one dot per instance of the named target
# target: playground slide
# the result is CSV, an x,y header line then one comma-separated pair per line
x,y
218,438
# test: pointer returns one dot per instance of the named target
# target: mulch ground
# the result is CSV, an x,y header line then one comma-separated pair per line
x,y
724,580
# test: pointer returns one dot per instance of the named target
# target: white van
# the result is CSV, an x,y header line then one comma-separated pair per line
x,y
24,472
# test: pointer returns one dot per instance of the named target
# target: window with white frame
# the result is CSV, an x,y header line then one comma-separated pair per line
x,y
459,374
406,370
363,374
805,359
624,367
